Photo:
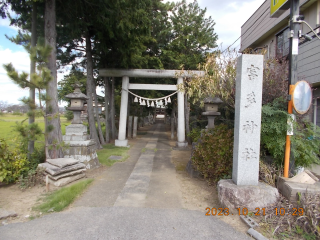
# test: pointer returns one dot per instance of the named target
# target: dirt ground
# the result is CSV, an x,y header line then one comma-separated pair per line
x,y
196,194
12,198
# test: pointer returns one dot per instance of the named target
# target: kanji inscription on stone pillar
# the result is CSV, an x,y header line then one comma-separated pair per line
x,y
246,148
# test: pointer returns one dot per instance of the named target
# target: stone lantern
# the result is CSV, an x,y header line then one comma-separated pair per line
x,y
211,110
77,103
81,147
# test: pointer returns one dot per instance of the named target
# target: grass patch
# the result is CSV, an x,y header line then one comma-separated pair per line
x,y
8,121
180,167
62,198
111,150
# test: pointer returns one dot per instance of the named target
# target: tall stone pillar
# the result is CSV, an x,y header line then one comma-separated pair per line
x,y
135,127
181,123
172,128
244,189
246,149
130,127
122,141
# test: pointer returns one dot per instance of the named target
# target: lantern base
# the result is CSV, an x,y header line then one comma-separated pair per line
x,y
84,151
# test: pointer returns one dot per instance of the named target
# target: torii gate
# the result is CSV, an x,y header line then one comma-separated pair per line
x,y
149,73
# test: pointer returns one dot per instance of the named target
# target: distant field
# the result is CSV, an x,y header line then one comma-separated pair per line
x,y
8,121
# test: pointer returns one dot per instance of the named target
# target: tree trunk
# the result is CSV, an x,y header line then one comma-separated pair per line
x,y
97,114
92,125
32,95
187,117
106,107
53,127
113,120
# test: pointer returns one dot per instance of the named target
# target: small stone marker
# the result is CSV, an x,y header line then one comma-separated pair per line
x,y
247,120
135,127
115,158
130,127
7,213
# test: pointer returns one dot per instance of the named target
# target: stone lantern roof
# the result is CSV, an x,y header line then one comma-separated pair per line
x,y
215,100
77,94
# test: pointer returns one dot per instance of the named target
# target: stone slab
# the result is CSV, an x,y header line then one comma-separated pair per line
x,y
76,129
53,170
302,178
135,190
210,113
256,235
290,189
115,157
64,181
74,137
80,143
234,196
315,178
249,221
7,213
62,162
68,174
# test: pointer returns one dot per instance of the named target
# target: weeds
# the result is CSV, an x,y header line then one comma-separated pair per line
x,y
62,198
33,178
285,220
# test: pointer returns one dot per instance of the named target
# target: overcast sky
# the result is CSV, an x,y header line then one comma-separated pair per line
x,y
229,16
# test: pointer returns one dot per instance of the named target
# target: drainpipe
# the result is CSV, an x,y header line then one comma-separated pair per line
x,y
315,114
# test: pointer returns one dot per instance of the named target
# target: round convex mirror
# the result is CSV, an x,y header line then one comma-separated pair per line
x,y
302,97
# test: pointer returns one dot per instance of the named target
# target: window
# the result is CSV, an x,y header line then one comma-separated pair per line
x,y
282,48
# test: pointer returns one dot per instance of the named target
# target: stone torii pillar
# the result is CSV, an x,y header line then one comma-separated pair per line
x,y
122,141
181,134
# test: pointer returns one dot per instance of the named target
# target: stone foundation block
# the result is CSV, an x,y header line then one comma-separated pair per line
x,y
84,151
121,143
64,181
76,129
233,196
182,144
289,189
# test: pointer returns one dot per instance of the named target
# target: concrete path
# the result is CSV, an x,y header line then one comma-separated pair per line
x,y
136,199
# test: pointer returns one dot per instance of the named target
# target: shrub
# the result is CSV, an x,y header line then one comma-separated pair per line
x,y
212,157
195,134
13,163
274,129
68,115
305,141
38,156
